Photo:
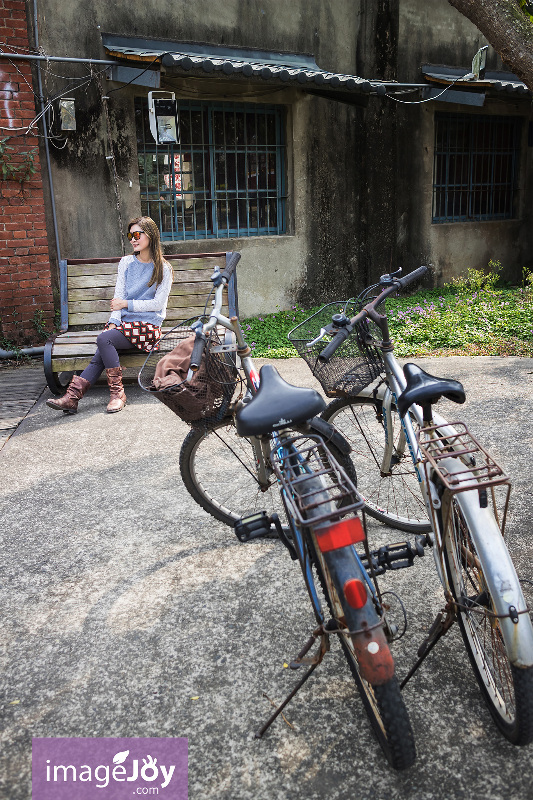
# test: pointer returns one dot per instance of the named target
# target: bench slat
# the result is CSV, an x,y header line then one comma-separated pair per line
x,y
80,362
100,319
106,293
97,281
178,265
75,336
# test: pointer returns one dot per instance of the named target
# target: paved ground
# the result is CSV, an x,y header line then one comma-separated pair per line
x,y
128,611
19,391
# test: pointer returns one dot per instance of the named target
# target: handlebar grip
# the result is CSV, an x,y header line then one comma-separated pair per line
x,y
230,266
413,276
197,351
335,343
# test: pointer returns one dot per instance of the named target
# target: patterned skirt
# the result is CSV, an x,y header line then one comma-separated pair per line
x,y
142,335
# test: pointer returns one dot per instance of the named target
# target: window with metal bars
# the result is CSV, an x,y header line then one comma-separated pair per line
x,y
226,177
476,167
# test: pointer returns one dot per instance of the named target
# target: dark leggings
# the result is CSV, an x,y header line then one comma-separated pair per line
x,y
109,343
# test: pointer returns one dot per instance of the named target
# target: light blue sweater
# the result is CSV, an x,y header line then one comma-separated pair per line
x,y
145,303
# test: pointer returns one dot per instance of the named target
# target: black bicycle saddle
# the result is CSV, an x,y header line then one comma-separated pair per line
x,y
424,389
277,404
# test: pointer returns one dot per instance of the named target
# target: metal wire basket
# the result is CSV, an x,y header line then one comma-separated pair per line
x,y
205,399
356,363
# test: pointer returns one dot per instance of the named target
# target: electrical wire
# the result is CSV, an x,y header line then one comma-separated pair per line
x,y
428,99
118,88
26,130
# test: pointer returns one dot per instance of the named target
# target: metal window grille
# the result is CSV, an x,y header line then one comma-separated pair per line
x,y
226,177
475,167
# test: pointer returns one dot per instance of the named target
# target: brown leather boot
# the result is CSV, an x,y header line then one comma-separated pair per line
x,y
68,404
116,389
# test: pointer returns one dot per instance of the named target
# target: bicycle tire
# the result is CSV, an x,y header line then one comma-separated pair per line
x,y
209,466
384,704
394,499
506,688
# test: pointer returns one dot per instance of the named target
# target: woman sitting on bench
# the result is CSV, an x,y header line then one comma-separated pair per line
x,y
138,309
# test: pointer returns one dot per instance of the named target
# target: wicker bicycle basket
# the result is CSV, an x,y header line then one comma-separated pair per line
x,y
205,399
355,364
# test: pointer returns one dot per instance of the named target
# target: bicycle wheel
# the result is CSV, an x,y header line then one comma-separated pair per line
x,y
219,471
383,704
507,689
395,498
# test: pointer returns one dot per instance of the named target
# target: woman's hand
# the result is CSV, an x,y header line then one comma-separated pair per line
x,y
117,304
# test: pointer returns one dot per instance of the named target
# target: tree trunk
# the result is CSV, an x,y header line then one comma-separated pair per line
x,y
507,29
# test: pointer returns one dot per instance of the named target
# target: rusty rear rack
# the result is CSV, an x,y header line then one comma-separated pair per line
x,y
439,443
314,503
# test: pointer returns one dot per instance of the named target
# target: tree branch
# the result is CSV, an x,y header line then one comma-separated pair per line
x,y
507,28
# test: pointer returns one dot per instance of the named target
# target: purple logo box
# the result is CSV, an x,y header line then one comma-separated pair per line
x,y
109,768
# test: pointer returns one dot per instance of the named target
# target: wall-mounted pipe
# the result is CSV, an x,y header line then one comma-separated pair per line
x,y
25,351
28,57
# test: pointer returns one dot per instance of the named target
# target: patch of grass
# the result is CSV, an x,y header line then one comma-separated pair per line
x,y
473,315
267,333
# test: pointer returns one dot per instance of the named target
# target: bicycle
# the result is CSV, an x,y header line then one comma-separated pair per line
x,y
419,473
243,453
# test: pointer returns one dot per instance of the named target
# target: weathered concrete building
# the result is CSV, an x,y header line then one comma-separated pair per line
x,y
302,141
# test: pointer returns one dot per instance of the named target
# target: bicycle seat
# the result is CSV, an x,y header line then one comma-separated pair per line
x,y
277,404
424,389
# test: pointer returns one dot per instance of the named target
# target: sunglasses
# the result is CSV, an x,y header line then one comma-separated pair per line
x,y
135,235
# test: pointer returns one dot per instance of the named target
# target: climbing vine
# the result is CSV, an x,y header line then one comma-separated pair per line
x,y
16,165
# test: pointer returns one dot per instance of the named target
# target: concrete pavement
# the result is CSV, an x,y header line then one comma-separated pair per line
x,y
128,611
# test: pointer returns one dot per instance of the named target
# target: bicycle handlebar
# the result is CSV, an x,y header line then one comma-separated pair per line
x,y
230,266
366,311
336,342
198,350
417,273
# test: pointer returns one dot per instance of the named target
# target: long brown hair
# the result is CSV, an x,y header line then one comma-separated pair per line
x,y
152,231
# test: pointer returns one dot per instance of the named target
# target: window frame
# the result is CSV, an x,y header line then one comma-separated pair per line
x,y
212,196
465,194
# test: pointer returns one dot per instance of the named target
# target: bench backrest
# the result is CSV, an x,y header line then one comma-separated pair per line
x,y
87,286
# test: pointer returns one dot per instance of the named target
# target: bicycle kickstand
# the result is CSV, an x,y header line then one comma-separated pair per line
x,y
299,661
440,626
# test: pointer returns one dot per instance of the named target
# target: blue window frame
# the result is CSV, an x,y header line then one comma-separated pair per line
x,y
475,167
226,177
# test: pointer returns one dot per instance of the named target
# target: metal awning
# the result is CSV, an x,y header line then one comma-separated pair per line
x,y
492,81
276,68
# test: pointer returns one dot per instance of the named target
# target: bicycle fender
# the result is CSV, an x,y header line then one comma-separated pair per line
x,y
370,644
330,434
499,571
374,656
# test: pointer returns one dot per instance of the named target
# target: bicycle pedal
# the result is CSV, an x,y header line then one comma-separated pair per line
x,y
255,526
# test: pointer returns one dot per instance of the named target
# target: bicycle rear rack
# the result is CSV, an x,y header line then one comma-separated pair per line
x,y
311,505
453,440
480,467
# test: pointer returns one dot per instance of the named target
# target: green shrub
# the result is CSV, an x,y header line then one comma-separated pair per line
x,y
472,315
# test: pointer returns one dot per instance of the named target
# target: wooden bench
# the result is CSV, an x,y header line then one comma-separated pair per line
x,y
87,286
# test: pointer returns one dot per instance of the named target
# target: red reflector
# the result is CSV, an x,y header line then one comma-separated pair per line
x,y
341,534
355,593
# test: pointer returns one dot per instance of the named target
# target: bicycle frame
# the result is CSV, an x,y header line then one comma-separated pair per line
x,y
262,448
485,531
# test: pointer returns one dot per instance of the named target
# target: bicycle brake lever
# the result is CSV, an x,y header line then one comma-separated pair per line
x,y
387,279
323,332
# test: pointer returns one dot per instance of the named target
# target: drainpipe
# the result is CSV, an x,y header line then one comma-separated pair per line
x,y
26,351
46,145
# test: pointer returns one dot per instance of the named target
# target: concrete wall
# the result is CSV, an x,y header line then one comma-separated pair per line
x,y
359,180
435,33
318,253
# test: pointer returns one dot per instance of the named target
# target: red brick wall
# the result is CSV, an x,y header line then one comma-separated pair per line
x,y
25,277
